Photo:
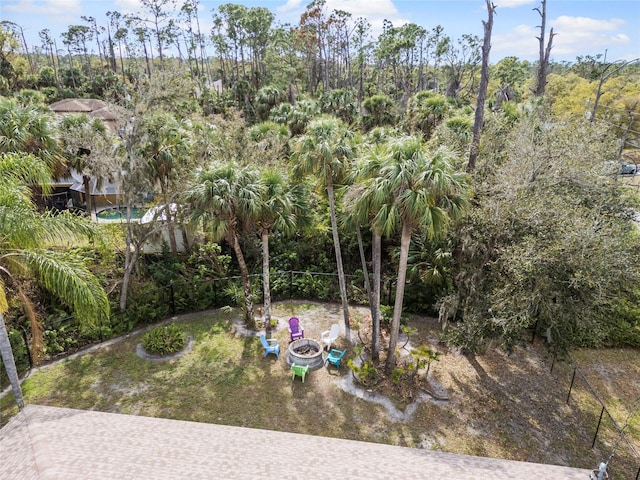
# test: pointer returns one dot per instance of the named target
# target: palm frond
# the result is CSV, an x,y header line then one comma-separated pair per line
x,y
4,304
37,342
21,168
71,281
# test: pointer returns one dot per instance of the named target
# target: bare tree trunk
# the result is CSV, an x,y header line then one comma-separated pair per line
x,y
336,245
146,57
203,53
133,247
545,53
397,308
124,80
87,195
129,263
482,89
87,60
10,364
244,273
73,76
171,229
623,139
26,50
604,76
265,281
56,69
112,54
365,270
377,281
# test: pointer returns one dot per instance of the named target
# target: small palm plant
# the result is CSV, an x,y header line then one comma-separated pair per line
x,y
164,340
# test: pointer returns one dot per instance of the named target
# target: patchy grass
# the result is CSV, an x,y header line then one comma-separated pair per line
x,y
507,406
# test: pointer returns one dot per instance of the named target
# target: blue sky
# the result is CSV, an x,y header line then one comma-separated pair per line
x,y
583,27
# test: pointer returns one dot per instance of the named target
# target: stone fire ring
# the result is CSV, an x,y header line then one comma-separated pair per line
x,y
313,359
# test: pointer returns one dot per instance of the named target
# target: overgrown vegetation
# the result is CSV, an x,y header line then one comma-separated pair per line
x,y
550,249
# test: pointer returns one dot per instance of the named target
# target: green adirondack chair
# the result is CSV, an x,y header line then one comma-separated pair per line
x,y
300,370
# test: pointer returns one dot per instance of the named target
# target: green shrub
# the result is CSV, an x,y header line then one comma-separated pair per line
x,y
60,339
367,374
164,340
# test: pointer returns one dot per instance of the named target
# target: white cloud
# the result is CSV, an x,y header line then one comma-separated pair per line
x,y
368,8
520,42
512,3
127,6
569,24
574,36
290,5
577,34
46,7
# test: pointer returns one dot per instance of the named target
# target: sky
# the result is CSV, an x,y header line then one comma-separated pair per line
x,y
583,27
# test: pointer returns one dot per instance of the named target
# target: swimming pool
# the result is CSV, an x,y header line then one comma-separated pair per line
x,y
119,213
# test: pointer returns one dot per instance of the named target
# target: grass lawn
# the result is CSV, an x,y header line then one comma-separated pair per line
x,y
507,406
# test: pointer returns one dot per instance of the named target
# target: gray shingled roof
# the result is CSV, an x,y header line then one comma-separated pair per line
x,y
91,106
49,443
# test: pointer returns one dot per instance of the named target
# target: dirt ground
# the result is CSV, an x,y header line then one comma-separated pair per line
x,y
497,404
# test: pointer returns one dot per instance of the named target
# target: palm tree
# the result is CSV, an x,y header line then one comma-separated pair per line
x,y
165,143
29,129
363,201
23,233
415,188
89,149
266,98
225,198
325,150
425,111
366,200
355,214
282,206
270,143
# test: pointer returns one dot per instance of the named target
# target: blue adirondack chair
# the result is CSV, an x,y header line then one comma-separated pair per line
x,y
270,345
295,329
334,357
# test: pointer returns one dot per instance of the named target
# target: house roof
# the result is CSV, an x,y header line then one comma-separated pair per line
x,y
54,443
91,106
107,187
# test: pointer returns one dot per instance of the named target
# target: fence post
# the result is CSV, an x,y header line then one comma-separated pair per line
x,y
571,386
26,345
290,284
173,299
597,428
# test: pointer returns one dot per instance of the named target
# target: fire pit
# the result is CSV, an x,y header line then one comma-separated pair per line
x,y
306,351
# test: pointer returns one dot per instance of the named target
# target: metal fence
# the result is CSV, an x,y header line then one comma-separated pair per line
x,y
63,336
608,436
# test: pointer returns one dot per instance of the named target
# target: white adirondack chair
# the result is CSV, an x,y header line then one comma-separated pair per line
x,y
329,336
